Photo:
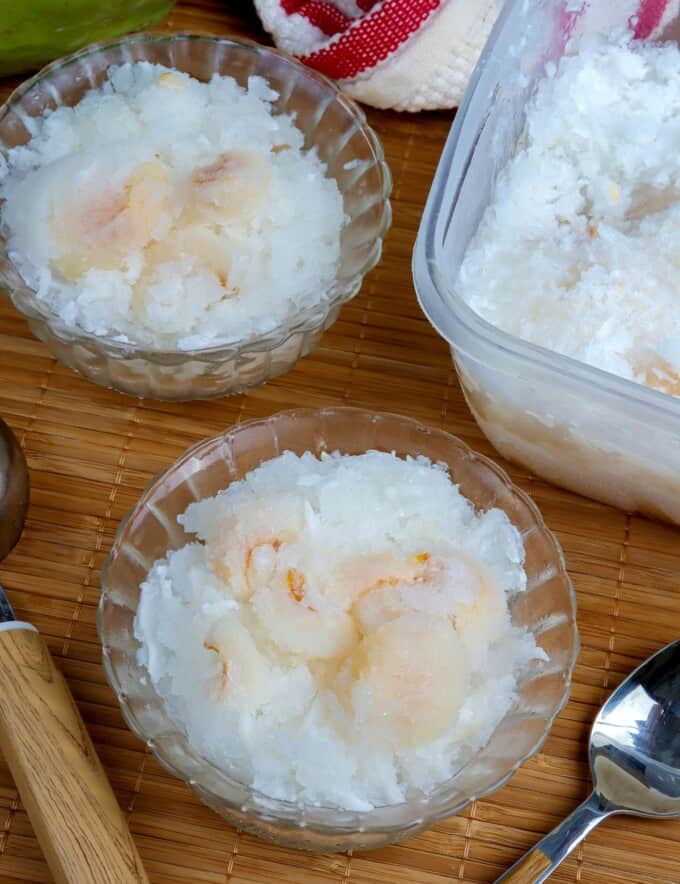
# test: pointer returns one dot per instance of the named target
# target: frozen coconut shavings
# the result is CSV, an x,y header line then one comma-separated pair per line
x,y
339,633
170,212
579,250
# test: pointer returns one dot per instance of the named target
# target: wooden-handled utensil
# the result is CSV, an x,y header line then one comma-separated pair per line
x,y
62,784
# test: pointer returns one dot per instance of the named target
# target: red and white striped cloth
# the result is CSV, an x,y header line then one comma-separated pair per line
x,y
406,54
415,54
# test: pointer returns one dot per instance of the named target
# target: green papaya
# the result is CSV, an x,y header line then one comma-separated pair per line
x,y
33,32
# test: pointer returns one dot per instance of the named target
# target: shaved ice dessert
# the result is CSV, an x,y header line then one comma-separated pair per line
x,y
171,213
338,633
578,249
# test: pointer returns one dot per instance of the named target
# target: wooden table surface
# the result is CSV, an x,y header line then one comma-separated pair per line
x,y
91,452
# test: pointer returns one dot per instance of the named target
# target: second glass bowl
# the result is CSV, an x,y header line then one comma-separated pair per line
x,y
331,123
547,608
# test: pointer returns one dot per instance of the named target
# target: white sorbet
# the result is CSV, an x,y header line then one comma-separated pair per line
x,y
579,249
171,212
339,634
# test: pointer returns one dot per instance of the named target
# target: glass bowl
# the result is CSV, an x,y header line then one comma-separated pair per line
x,y
331,123
547,608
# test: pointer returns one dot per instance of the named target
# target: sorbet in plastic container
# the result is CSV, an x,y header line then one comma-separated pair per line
x,y
570,422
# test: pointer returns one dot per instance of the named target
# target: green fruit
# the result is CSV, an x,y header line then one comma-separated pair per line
x,y
33,32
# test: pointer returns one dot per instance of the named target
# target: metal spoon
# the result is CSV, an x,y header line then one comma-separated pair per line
x,y
62,783
634,760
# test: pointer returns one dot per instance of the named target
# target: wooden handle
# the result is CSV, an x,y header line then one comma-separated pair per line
x,y
528,868
75,815
541,861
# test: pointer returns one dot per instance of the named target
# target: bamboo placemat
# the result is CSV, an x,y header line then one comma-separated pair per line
x,y
92,451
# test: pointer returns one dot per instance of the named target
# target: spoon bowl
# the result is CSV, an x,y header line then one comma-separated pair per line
x,y
635,740
634,758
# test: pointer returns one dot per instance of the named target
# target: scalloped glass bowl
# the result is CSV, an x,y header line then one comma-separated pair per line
x,y
548,609
331,122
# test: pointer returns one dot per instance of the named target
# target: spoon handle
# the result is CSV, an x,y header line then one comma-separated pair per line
x,y
63,786
540,862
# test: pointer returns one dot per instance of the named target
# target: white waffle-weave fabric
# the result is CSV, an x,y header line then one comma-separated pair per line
x,y
412,55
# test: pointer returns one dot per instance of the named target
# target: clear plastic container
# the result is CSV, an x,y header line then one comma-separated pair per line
x,y
575,425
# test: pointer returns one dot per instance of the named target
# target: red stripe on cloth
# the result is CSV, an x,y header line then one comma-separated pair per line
x,y
648,18
365,5
372,38
324,16
566,20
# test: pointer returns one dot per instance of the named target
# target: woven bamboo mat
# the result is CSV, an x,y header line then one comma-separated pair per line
x,y
92,451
